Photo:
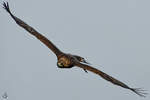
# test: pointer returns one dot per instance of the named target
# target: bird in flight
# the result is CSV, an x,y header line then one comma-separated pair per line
x,y
65,60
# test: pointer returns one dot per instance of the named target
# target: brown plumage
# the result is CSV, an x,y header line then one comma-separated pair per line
x,y
69,60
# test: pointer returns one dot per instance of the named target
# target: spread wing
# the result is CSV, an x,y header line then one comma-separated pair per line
x,y
32,31
109,78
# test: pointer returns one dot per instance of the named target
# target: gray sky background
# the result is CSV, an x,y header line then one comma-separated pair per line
x,y
114,35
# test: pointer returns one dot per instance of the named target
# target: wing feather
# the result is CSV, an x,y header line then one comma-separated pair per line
x,y
110,78
32,31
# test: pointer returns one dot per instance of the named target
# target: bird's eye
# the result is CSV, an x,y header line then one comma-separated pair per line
x,y
60,64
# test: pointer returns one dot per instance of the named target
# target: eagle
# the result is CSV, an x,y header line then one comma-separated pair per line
x,y
66,60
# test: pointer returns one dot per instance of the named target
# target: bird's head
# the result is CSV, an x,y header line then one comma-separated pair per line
x,y
64,62
60,64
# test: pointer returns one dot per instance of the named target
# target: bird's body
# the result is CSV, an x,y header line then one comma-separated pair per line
x,y
65,60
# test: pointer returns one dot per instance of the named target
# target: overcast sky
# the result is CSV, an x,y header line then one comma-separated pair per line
x,y
113,35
